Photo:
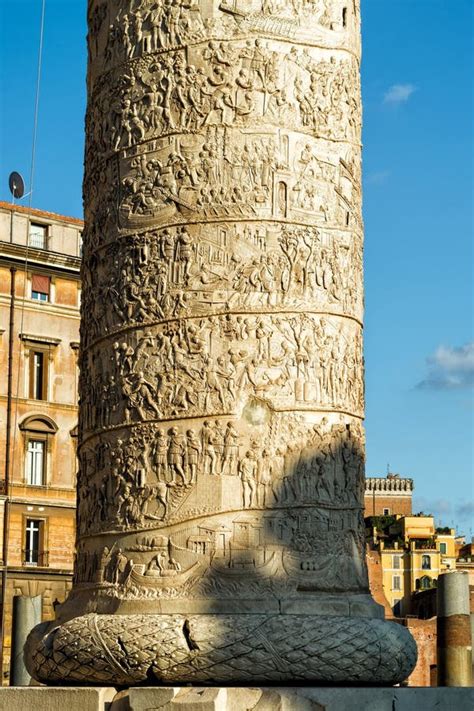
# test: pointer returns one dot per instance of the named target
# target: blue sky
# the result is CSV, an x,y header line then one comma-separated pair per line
x,y
418,180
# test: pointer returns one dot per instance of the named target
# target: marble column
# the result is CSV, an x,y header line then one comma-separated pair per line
x,y
26,614
454,642
221,483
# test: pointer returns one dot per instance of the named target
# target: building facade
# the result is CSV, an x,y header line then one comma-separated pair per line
x,y
408,553
39,339
413,554
388,496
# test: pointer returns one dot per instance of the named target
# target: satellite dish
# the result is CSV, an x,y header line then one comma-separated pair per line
x,y
16,185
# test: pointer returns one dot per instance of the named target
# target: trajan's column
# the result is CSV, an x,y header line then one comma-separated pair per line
x,y
221,481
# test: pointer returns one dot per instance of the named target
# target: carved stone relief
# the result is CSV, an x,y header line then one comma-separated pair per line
x,y
221,441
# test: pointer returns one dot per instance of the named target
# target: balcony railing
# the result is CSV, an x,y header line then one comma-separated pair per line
x,y
35,558
425,545
38,241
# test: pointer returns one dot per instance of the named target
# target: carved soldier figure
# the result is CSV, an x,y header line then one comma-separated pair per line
x,y
159,455
208,449
266,492
219,436
176,455
162,497
185,252
193,454
139,393
231,449
248,476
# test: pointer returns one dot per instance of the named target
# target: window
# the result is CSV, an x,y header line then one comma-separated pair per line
x,y
79,244
396,583
386,512
35,462
443,548
38,432
397,606
396,562
40,287
33,553
426,562
38,236
425,582
38,375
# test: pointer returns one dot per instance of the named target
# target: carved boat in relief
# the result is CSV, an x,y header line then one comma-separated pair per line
x,y
132,219
270,567
162,581
306,568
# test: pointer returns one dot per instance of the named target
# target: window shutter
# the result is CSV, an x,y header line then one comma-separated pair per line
x,y
40,283
31,374
44,384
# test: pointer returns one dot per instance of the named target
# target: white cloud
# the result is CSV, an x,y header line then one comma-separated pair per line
x,y
447,513
450,368
398,94
439,508
466,510
377,177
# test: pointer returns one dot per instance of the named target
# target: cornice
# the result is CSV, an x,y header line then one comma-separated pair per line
x,y
42,307
17,254
44,214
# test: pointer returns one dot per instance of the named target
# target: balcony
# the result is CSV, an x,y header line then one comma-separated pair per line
x,y
32,558
428,544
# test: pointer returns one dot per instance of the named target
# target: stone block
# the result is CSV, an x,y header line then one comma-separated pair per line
x,y
294,699
235,699
192,699
42,698
388,699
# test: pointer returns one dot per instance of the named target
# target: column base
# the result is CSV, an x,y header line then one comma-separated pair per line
x,y
129,650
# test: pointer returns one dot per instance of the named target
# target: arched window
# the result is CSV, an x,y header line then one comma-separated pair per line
x,y
426,562
38,431
425,582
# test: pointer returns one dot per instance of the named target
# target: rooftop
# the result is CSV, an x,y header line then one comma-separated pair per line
x,y
389,483
40,213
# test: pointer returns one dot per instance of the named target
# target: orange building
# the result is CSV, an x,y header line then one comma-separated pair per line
x,y
39,339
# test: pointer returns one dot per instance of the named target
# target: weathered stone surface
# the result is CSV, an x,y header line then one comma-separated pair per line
x,y
61,699
454,639
409,699
221,445
235,699
26,615
131,649
194,699
298,699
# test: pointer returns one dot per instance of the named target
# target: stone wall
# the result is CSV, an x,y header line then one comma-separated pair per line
x,y
395,504
374,565
424,633
236,699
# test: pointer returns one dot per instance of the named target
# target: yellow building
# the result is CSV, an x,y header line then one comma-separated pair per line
x,y
413,554
39,338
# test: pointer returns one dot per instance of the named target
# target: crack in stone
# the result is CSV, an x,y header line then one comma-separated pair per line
x,y
193,646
